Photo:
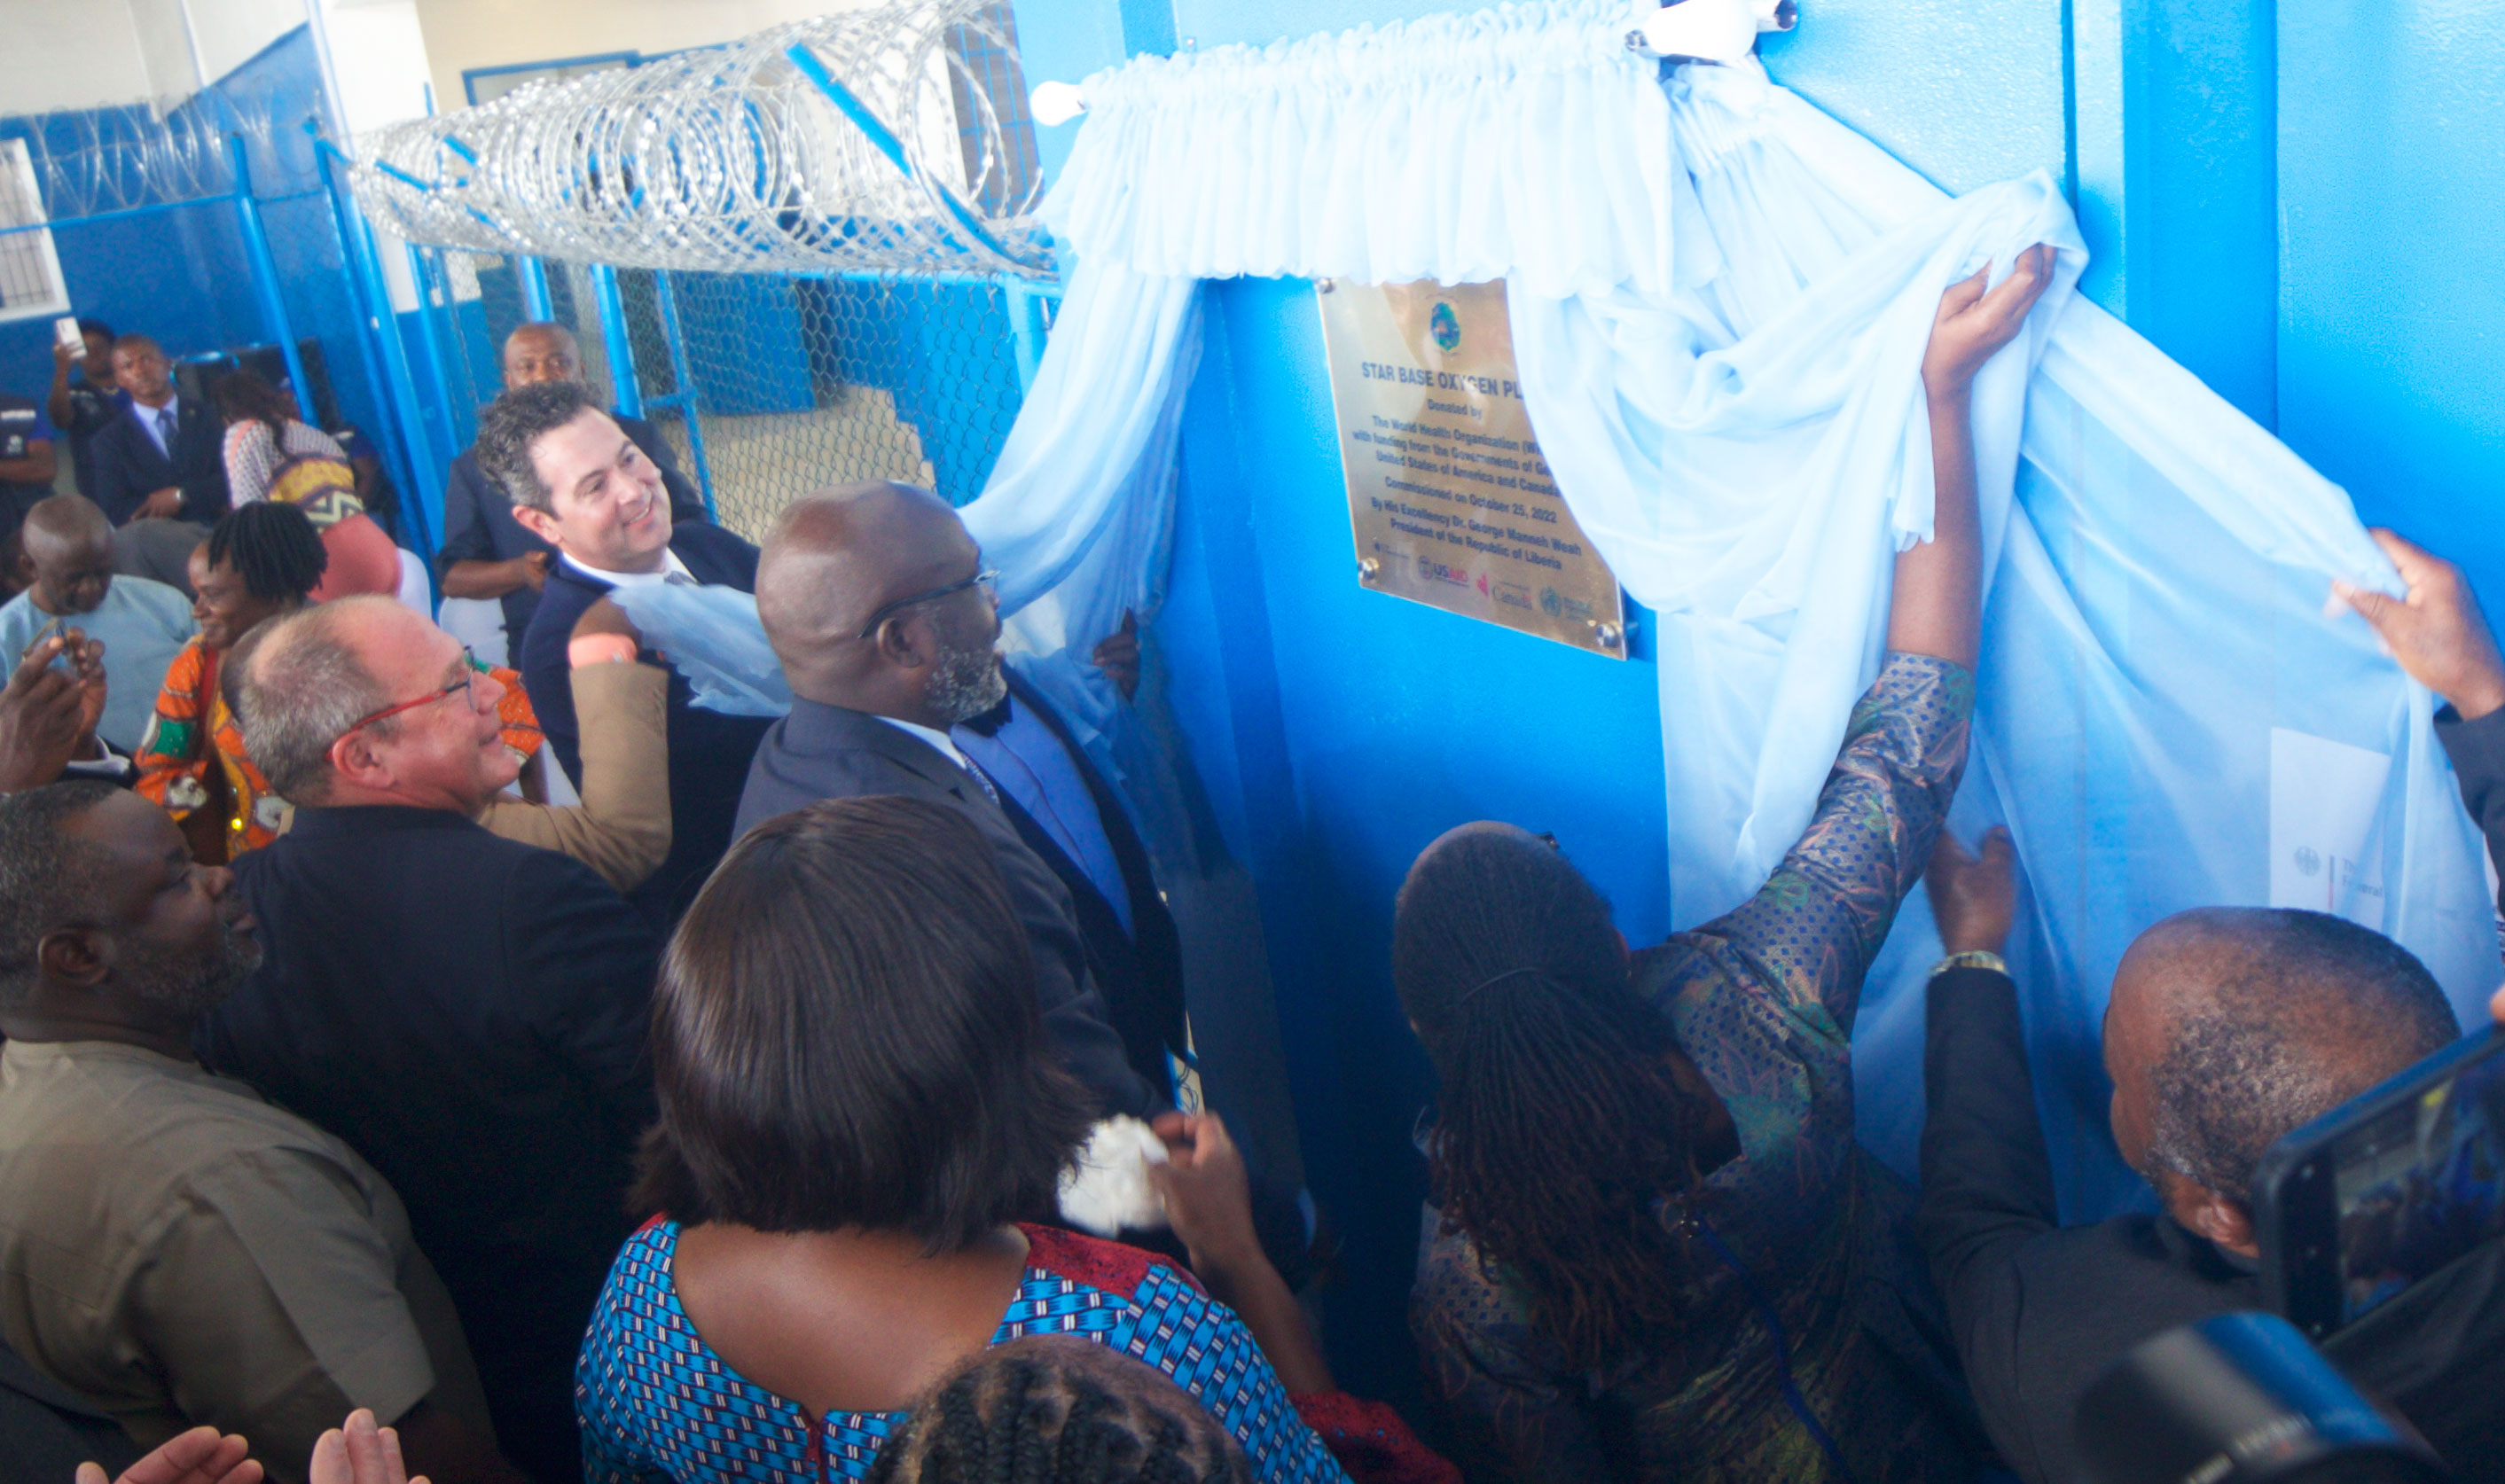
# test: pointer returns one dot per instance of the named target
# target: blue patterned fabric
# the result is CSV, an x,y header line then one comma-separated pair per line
x,y
657,1403
1763,1000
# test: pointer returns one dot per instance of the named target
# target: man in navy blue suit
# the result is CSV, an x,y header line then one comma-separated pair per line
x,y
579,482
486,553
165,457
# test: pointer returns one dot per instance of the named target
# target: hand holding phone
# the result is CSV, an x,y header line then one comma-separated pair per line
x,y
2386,1189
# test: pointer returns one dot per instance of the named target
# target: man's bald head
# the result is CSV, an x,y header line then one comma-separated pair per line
x,y
70,519
833,561
2231,1027
69,543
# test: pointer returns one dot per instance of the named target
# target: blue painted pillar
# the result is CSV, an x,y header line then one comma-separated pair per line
x,y
2173,123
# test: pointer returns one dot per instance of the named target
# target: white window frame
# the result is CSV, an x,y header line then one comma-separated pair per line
x,y
20,169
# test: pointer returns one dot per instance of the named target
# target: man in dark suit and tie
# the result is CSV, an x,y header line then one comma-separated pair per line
x,y
877,603
466,1011
1071,815
577,482
165,457
486,553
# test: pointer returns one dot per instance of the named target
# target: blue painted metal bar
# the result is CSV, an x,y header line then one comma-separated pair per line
x,y
1025,302
426,476
343,226
535,304
666,295
435,332
264,276
626,387
110,216
884,140
403,176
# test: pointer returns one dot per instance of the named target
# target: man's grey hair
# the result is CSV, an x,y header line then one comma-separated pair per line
x,y
297,686
49,880
516,420
2307,1012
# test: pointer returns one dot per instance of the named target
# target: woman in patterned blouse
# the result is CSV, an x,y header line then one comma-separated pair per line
x,y
1661,1254
858,1105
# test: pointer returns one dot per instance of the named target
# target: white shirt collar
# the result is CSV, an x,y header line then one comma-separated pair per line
x,y
673,566
936,738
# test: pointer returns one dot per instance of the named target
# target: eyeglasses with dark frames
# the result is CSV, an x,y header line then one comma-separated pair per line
x,y
989,580
461,687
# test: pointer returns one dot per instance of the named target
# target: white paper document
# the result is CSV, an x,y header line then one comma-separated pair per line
x,y
2326,851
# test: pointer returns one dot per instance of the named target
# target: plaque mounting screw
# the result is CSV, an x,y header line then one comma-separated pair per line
x,y
1367,569
1608,635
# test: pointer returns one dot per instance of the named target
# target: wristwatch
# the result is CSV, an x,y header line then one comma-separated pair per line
x,y
1972,958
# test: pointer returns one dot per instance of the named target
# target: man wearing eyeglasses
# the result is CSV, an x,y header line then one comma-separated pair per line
x,y
579,482
881,609
463,1010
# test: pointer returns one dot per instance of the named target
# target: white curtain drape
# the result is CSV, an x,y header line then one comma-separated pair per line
x,y
1720,300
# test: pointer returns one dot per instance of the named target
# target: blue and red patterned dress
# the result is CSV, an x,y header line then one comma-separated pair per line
x,y
657,1403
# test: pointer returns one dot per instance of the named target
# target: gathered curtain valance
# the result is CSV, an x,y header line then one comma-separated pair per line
x,y
1523,142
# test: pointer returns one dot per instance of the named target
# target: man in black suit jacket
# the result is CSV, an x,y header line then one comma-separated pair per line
x,y
466,1011
875,601
486,553
580,483
174,467
2227,1029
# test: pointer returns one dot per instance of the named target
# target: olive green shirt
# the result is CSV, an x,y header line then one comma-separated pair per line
x,y
179,1252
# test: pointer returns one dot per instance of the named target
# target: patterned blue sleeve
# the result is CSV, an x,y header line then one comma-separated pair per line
x,y
1173,1326
1810,932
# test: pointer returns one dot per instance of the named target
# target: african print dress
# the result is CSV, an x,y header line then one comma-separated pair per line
x,y
193,732
1816,1352
657,1403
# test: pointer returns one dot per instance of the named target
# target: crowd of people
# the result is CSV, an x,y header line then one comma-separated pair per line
x,y
365,1114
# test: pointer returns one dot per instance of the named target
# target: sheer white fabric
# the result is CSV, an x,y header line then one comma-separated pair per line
x,y
1719,300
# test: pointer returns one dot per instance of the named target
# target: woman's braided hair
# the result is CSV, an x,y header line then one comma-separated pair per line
x,y
1560,1121
1057,1409
273,548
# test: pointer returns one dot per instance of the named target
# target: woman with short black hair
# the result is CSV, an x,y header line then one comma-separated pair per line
x,y
858,1105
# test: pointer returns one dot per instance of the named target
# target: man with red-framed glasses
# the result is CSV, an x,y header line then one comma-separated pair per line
x,y
465,1010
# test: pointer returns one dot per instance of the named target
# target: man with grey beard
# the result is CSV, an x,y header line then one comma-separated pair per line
x,y
178,1252
879,607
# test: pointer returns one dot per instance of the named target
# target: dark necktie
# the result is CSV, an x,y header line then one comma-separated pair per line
x,y
165,429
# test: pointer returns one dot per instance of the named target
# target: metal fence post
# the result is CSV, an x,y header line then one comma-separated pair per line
x,y
434,339
425,478
628,388
533,273
666,296
264,276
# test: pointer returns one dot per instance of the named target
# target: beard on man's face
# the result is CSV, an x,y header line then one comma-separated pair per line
x,y
966,683
190,983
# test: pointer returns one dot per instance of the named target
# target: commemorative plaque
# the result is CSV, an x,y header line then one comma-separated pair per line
x,y
1448,497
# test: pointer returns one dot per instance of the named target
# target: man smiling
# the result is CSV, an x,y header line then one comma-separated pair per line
x,y
465,1010
577,481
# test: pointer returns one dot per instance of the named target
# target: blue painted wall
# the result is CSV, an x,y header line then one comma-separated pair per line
x,y
2391,129
2299,207
182,275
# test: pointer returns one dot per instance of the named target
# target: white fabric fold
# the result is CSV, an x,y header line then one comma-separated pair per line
x,y
1523,141
1719,300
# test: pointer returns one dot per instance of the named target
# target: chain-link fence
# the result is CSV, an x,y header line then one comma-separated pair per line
x,y
769,385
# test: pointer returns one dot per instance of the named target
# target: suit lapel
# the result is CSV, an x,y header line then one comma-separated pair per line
x,y
1139,881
